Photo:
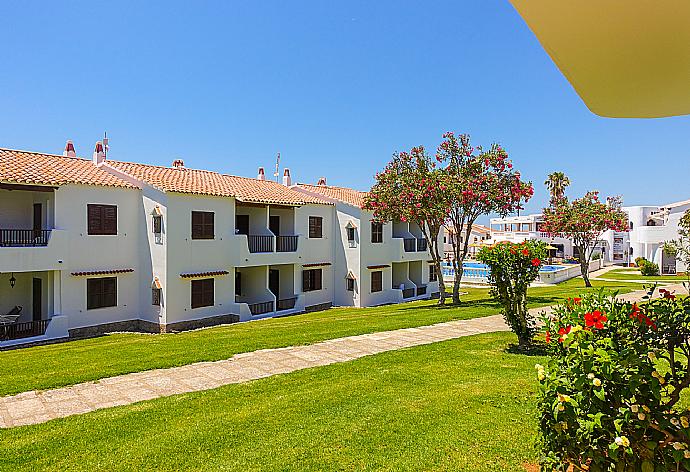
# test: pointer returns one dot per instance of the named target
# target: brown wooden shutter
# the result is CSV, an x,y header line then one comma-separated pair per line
x,y
93,213
109,219
306,285
318,279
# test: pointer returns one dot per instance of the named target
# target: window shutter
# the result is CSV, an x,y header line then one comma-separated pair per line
x,y
318,273
94,218
306,286
110,219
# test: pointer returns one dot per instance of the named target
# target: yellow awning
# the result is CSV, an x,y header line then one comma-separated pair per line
x,y
626,59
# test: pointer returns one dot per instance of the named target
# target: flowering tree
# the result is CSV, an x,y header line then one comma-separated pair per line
x,y
583,221
479,182
412,188
610,394
680,247
512,268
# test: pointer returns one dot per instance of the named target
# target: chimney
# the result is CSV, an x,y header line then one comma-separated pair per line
x,y
178,164
287,181
69,149
98,154
322,181
261,175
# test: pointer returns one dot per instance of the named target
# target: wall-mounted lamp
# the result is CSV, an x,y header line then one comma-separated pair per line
x,y
13,281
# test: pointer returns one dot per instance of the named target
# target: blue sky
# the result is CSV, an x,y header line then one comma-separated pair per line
x,y
336,87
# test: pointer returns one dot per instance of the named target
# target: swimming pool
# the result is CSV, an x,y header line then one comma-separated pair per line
x,y
477,270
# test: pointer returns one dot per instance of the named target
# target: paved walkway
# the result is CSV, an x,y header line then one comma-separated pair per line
x,y
37,407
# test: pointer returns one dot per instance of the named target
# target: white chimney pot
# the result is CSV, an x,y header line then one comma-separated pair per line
x,y
69,149
287,180
98,154
261,175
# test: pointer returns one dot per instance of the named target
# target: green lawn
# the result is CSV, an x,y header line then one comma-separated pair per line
x,y
57,365
634,274
463,404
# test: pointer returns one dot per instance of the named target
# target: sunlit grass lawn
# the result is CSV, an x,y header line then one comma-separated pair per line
x,y
57,365
460,405
634,274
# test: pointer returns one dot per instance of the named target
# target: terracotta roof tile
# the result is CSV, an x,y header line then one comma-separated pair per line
x,y
342,194
25,167
203,182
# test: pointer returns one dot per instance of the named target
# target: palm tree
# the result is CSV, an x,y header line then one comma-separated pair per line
x,y
557,182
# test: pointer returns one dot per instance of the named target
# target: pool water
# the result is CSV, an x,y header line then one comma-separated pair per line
x,y
478,269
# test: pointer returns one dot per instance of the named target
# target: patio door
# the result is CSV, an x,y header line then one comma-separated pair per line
x,y
274,281
38,219
274,224
37,299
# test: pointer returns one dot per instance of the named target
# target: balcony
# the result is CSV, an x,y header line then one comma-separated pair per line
x,y
421,290
408,292
410,244
286,243
23,330
260,243
421,245
24,237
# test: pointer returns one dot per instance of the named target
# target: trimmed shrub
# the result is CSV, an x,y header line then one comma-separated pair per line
x,y
649,268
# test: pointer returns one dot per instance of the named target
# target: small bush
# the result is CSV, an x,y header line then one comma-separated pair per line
x,y
648,268
609,395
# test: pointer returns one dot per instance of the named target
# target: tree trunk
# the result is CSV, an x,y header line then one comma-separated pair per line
x,y
441,284
584,269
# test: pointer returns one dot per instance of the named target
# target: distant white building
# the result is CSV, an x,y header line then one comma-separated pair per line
x,y
520,228
650,227
480,234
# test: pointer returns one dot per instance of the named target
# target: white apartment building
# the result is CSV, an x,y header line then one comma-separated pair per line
x,y
375,263
89,246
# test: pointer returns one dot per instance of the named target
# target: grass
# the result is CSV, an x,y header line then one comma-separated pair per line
x,y
634,274
464,404
57,365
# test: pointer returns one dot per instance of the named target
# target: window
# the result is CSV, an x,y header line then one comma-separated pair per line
x,y
238,284
102,219
376,232
311,280
315,227
202,225
156,296
376,281
351,234
157,224
433,276
202,293
350,284
101,293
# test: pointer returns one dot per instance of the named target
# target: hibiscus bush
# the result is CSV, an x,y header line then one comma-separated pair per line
x,y
610,394
512,268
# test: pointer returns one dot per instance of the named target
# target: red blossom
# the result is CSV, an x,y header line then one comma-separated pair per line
x,y
595,319
536,262
563,332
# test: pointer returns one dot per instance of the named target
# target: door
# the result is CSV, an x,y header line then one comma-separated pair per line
x,y
274,224
38,219
274,281
242,224
37,299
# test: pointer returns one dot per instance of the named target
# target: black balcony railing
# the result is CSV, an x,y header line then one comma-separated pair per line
x,y
408,292
260,243
421,245
421,290
287,303
24,237
27,329
261,308
286,243
410,244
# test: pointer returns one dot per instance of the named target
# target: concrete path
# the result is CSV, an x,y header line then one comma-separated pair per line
x,y
37,407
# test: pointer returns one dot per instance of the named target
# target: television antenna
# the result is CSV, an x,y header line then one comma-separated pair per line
x,y
276,174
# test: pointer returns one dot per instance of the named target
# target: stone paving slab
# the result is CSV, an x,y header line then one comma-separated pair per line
x,y
37,407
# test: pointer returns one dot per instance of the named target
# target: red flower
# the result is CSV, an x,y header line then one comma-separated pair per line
x,y
525,252
563,332
536,262
636,312
577,300
548,337
666,294
595,319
